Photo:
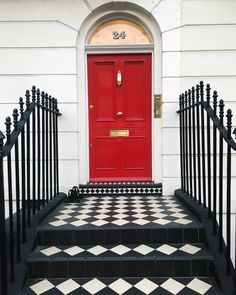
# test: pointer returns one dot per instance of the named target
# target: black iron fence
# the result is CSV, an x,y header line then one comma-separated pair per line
x,y
28,174
204,142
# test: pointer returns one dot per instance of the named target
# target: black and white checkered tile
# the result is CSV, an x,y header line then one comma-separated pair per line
x,y
120,188
120,250
122,210
127,286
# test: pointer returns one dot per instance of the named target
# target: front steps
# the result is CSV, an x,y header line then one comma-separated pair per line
x,y
132,244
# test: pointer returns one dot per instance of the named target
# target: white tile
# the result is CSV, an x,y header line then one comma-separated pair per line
x,y
82,216
183,221
74,250
199,286
159,215
143,249
157,210
97,250
121,210
85,211
120,216
146,286
139,210
99,222
94,286
166,249
140,221
190,249
72,206
120,286
51,251
172,205
175,210
178,215
102,211
120,222
162,221
140,215
67,211
79,223
101,216
63,217
58,223
120,249
68,286
42,287
172,286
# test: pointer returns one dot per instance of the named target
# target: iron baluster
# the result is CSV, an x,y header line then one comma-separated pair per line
x,y
50,145
43,146
9,178
34,151
23,192
190,145
181,142
186,140
203,145
28,158
18,219
56,135
38,150
221,115
3,259
215,96
228,194
54,145
198,146
208,96
194,145
46,152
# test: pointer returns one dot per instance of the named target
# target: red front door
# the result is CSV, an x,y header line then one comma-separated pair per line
x,y
119,90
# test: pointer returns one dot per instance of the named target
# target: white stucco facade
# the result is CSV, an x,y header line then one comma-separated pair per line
x,y
42,43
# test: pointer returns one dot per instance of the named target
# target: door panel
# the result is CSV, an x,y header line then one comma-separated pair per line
x,y
120,117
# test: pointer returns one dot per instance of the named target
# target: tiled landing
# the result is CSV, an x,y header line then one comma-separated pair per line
x,y
123,286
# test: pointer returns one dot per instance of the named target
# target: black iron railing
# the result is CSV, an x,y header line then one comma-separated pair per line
x,y
203,138
26,180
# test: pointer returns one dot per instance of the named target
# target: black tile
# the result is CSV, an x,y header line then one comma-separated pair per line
x,y
76,268
182,268
164,268
199,267
96,237
175,235
191,235
66,237
202,235
81,237
159,236
128,236
129,268
42,269
95,268
146,268
112,268
112,236
144,236
49,238
59,269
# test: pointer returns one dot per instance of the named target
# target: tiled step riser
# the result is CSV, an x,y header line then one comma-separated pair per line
x,y
112,268
120,236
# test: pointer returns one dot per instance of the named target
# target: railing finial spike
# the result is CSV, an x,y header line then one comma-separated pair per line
x,y
21,103
27,95
38,96
202,90
33,93
8,129
46,100
15,117
43,98
208,94
221,112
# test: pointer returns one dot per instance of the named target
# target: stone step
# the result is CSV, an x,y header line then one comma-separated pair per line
x,y
124,285
175,260
121,219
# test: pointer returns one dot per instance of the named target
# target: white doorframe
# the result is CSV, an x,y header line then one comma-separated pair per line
x,y
82,90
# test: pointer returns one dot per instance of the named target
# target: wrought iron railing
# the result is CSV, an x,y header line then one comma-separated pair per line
x,y
28,174
203,137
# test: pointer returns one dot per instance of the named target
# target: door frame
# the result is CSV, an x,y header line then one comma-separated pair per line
x,y
82,85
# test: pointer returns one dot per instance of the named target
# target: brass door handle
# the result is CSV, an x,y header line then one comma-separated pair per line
x,y
119,114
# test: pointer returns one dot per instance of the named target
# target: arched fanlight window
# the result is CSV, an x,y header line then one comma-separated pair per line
x,y
119,32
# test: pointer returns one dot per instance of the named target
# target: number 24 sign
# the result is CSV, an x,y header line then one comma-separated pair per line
x,y
119,35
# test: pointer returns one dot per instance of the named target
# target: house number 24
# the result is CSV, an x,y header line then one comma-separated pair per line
x,y
119,35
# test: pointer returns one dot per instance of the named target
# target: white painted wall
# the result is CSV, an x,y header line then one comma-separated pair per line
x,y
38,45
